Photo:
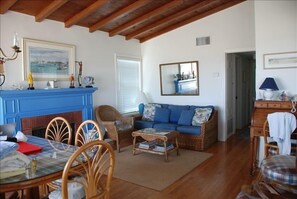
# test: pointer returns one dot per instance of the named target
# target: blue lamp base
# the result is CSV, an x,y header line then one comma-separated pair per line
x,y
141,108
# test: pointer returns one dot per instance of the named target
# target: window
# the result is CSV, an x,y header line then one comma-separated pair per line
x,y
128,83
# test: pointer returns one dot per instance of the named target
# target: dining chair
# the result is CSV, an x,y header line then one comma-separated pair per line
x,y
94,163
59,130
118,127
87,131
284,122
279,176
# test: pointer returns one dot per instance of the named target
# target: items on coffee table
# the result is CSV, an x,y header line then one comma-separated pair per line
x,y
156,141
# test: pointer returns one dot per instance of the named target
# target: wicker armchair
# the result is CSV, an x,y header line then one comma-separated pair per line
x,y
117,126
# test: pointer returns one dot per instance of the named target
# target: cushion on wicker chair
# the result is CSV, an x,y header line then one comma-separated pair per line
x,y
280,168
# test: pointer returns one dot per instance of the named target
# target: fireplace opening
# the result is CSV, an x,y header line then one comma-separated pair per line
x,y
40,132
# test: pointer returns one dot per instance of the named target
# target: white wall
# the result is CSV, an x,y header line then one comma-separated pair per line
x,y
231,30
276,31
96,51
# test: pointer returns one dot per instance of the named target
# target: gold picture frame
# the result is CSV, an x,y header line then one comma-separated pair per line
x,y
48,60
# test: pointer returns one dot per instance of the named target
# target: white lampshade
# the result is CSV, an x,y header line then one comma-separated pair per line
x,y
141,98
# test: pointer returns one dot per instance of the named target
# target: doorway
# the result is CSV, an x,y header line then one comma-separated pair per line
x,y
240,88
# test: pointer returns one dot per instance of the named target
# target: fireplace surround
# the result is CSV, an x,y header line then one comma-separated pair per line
x,y
31,109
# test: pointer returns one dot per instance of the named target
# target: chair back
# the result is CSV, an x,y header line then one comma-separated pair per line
x,y
94,163
59,130
280,126
268,146
107,113
86,132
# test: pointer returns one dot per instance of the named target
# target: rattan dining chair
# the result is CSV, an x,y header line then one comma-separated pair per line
x,y
118,127
94,162
270,146
59,130
87,131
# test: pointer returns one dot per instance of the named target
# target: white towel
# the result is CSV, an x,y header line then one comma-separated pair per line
x,y
281,126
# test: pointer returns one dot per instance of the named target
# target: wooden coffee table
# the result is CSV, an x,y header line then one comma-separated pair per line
x,y
150,134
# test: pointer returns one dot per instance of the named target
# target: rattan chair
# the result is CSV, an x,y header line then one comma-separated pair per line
x,y
59,130
118,127
94,164
86,132
278,175
271,147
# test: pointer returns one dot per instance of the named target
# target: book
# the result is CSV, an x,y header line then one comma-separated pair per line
x,y
161,148
147,144
27,148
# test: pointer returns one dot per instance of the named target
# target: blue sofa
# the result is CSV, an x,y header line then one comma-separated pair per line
x,y
195,136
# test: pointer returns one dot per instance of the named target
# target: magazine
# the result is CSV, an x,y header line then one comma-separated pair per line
x,y
147,144
161,148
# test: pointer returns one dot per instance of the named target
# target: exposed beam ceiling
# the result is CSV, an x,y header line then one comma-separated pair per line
x,y
133,19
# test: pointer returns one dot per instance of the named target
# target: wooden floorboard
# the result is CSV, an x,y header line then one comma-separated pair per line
x,y
221,176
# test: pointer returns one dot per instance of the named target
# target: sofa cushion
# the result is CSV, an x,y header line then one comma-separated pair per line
x,y
149,111
162,115
164,105
166,126
191,130
176,111
141,124
186,117
201,115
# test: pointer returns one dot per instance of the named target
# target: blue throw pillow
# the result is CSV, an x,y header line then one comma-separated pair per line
x,y
162,115
176,111
186,117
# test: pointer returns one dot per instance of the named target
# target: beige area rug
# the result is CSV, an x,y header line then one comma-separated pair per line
x,y
151,171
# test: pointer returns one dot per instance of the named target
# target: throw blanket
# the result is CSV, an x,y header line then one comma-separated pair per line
x,y
281,126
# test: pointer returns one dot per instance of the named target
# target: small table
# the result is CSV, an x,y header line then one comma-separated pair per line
x,y
150,134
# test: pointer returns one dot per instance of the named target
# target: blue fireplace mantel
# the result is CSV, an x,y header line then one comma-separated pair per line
x,y
18,104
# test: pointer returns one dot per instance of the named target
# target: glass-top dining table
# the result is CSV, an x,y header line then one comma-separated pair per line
x,y
51,161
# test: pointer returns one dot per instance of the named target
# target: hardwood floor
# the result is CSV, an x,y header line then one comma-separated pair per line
x,y
221,176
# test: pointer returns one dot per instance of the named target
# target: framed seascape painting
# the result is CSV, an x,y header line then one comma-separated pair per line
x,y
48,60
280,60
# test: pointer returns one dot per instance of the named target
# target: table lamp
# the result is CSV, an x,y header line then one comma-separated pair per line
x,y
268,86
141,99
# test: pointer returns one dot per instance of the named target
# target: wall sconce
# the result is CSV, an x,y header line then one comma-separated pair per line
x,y
2,76
4,57
268,86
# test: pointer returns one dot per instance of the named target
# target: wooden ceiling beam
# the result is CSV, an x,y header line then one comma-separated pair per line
x,y
191,19
148,15
84,13
6,4
169,18
48,10
118,14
